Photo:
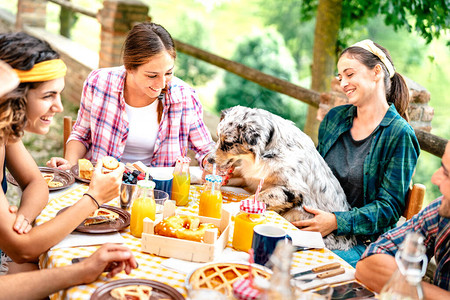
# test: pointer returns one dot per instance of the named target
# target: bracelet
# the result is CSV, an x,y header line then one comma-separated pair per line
x,y
90,196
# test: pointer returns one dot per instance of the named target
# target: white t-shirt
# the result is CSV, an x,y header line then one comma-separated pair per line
x,y
143,131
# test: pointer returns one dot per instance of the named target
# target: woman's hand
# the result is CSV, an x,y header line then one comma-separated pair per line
x,y
105,187
21,224
323,222
118,258
59,163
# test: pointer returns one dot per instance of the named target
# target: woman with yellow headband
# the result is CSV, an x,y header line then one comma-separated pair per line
x,y
31,107
369,146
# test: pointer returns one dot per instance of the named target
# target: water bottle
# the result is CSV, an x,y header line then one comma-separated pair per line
x,y
406,281
280,281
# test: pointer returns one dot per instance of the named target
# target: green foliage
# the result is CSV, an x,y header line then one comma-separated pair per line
x,y
427,18
267,53
188,68
298,34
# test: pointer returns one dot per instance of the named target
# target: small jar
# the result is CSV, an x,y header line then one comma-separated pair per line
x,y
251,214
143,207
211,198
181,181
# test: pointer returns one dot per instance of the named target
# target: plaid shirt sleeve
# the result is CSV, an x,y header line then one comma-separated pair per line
x,y
425,222
199,137
82,129
434,228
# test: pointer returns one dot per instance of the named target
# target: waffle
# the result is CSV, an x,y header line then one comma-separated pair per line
x,y
221,276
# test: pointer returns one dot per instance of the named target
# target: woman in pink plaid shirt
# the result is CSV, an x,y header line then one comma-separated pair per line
x,y
139,111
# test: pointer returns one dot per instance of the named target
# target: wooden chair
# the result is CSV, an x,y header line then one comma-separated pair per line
x,y
68,125
414,200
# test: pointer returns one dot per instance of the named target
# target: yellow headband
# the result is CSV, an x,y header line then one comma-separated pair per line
x,y
370,46
43,71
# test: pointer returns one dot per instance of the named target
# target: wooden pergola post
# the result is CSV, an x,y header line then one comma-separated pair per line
x,y
31,13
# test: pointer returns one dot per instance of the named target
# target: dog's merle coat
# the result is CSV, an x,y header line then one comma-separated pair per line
x,y
267,146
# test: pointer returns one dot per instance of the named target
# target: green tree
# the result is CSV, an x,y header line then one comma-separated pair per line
x,y
189,69
427,18
266,52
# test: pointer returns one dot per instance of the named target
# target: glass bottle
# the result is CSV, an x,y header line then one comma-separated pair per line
x,y
181,182
280,281
143,207
211,198
251,214
406,281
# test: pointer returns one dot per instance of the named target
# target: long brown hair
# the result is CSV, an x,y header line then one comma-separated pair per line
x,y
395,87
21,51
144,41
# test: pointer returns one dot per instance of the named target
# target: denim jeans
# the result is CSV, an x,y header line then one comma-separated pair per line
x,y
353,255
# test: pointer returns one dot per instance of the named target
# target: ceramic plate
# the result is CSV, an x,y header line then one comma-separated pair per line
x,y
74,171
159,290
64,177
117,225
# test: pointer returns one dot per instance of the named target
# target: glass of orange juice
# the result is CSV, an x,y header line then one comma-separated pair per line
x,y
181,181
143,207
211,198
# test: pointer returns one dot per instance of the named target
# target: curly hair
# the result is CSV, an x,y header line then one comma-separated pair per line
x,y
21,51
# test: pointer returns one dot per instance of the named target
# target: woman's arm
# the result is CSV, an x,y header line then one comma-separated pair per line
x,y
27,247
40,284
34,188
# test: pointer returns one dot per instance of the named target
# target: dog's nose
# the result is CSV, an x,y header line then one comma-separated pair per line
x,y
211,159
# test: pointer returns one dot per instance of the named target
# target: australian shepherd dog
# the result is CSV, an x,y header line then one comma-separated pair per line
x,y
262,145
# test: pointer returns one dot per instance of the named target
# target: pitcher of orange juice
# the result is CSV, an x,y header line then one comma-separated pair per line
x,y
211,198
143,207
181,181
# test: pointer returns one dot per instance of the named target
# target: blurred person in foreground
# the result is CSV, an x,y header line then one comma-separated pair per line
x,y
41,283
31,107
433,222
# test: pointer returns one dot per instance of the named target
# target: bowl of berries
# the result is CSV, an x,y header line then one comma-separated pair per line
x,y
128,187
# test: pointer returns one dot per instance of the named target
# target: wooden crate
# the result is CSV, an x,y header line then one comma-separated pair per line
x,y
207,251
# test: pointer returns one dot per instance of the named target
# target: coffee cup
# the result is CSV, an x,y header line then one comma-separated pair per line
x,y
163,182
265,239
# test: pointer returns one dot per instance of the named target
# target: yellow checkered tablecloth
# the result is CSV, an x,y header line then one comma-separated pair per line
x,y
150,265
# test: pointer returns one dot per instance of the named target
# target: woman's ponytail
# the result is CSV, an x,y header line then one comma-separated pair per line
x,y
397,92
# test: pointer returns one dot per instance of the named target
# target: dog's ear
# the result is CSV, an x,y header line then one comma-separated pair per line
x,y
224,112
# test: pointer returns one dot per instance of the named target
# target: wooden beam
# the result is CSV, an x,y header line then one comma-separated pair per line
x,y
431,143
268,81
428,142
75,8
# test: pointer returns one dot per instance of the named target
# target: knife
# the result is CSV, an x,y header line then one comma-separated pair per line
x,y
318,269
326,274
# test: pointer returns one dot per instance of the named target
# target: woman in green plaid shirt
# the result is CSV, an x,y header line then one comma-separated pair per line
x,y
369,146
